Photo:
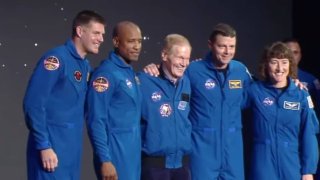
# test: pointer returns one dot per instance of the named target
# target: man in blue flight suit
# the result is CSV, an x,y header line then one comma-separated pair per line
x,y
54,102
114,108
217,85
166,129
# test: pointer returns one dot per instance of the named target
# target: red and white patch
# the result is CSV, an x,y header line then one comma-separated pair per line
x,y
77,75
165,110
51,63
100,84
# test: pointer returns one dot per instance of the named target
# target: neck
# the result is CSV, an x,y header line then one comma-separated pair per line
x,y
168,75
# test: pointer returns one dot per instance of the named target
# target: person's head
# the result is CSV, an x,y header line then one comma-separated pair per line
x,y
294,45
127,40
222,43
176,54
88,29
277,64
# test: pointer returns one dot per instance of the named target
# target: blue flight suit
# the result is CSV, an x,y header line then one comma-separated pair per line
x,y
54,111
215,114
114,112
313,86
284,132
166,129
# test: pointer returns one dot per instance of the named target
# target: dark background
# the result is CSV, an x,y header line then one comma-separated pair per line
x,y
29,28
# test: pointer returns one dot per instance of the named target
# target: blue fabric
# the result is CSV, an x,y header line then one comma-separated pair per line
x,y
166,129
114,112
284,131
54,112
215,114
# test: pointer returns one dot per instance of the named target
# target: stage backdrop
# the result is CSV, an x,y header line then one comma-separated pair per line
x,y
29,28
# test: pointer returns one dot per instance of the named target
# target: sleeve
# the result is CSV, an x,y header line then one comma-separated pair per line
x,y
41,83
101,89
309,145
246,89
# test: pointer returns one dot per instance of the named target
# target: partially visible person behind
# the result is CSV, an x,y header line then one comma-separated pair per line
x,y
114,108
54,102
284,122
310,81
166,129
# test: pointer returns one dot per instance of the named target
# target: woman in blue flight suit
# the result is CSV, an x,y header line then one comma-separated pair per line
x,y
283,121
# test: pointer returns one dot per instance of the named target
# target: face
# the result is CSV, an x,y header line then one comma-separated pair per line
x,y
278,71
128,43
91,37
295,48
177,59
223,50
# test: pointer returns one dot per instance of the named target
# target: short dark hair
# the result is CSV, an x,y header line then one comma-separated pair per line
x,y
224,30
290,39
85,17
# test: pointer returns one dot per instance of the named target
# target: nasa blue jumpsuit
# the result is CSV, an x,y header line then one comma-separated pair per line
x,y
114,112
313,86
284,131
166,129
54,112
215,114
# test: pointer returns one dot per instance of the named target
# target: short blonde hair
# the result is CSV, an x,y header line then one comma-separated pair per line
x,y
175,39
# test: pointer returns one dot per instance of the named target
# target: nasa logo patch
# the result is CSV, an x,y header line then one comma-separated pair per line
x,y
210,84
156,96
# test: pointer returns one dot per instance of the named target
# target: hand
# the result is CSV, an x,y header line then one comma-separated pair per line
x,y
49,159
152,69
307,177
108,171
300,84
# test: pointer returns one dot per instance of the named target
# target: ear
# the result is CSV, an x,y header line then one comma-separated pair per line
x,y
79,31
210,44
164,55
115,41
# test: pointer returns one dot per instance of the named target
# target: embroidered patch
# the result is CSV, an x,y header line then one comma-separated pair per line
x,y
268,101
235,84
137,80
51,63
129,83
156,96
310,103
165,110
291,105
182,105
100,84
77,75
210,84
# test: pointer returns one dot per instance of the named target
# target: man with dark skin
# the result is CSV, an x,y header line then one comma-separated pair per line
x,y
114,108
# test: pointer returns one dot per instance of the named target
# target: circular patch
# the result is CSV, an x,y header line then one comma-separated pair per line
x,y
165,110
268,101
77,75
156,96
100,84
210,84
51,63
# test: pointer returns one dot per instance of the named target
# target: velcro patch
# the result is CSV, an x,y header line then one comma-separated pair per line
x,y
291,105
310,103
235,84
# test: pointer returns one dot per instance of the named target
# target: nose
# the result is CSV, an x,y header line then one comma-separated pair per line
x,y
137,45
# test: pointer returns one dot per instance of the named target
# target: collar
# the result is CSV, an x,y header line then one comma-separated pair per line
x,y
164,74
209,62
72,49
118,60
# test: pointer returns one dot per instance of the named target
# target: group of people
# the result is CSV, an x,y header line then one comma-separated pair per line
x,y
175,121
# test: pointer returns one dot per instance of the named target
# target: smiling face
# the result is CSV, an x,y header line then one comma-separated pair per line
x,y
91,36
128,42
176,59
278,71
223,50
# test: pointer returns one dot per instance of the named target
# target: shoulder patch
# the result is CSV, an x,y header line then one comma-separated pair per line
x,y
100,84
310,103
51,63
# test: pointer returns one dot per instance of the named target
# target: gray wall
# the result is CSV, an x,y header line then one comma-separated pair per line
x,y
48,23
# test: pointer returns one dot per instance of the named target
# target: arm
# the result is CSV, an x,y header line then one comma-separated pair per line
x,y
152,69
99,96
38,92
308,141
